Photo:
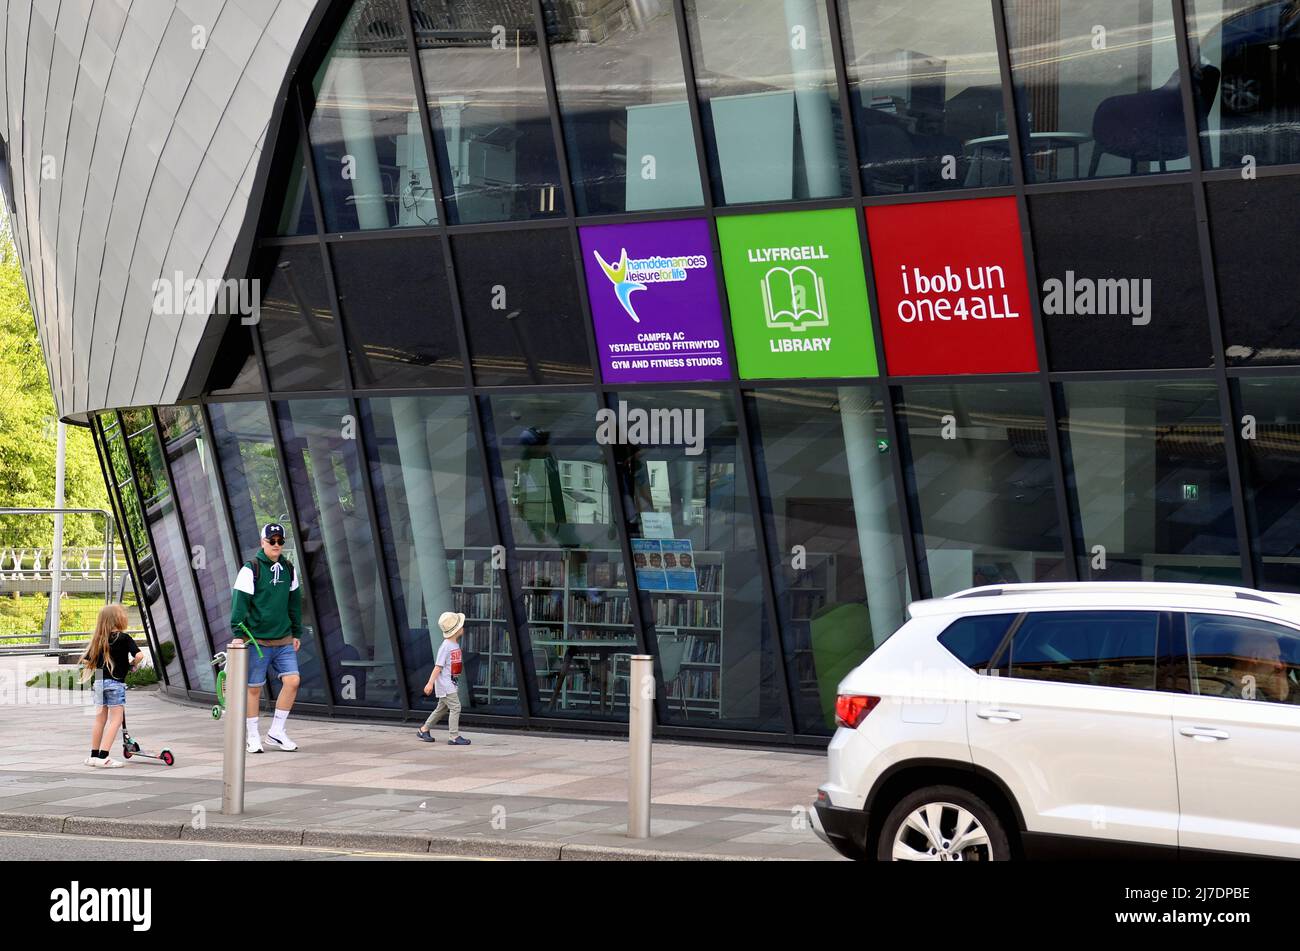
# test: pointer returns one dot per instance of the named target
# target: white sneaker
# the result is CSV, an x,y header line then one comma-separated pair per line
x,y
90,761
282,742
253,743
109,764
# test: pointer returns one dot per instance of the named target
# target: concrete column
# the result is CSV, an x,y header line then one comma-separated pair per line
x,y
334,535
348,91
809,64
869,482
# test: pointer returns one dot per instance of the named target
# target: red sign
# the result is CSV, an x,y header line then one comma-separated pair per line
x,y
950,276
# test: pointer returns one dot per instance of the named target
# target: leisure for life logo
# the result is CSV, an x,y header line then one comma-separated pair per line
x,y
1100,297
629,276
76,904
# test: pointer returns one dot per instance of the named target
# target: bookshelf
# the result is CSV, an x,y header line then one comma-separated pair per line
x,y
811,590
478,595
695,618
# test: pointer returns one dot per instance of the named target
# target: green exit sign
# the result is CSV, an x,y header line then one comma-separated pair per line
x,y
1191,492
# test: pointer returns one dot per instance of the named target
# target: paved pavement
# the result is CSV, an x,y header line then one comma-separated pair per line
x,y
376,787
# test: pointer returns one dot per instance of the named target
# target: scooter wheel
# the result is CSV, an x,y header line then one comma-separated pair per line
x,y
216,713
126,752
166,757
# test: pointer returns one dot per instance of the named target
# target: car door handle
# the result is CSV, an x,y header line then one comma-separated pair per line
x,y
1203,734
997,716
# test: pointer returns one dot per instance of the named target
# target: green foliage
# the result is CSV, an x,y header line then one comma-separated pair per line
x,y
144,677
167,652
62,679
28,437
26,615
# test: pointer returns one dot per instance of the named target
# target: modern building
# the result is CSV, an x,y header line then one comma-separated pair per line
x,y
717,330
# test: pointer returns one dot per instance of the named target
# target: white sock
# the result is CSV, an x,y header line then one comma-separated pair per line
x,y
252,727
277,725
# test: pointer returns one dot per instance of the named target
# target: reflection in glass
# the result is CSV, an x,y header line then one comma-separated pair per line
x,y
368,147
823,461
147,581
1254,45
1255,230
339,551
1148,482
1271,478
487,102
434,523
396,312
198,496
164,527
977,464
523,318
695,545
296,215
299,334
1097,88
246,455
769,99
926,94
566,567
623,100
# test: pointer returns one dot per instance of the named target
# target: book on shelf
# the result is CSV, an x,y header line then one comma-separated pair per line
x,y
607,610
686,612
541,572
544,606
598,574
699,685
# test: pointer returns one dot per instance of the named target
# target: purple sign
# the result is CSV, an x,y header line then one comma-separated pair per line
x,y
654,297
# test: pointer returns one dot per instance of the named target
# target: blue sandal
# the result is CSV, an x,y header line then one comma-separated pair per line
x,y
425,735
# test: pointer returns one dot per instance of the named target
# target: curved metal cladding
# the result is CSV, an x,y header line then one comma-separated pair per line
x,y
134,131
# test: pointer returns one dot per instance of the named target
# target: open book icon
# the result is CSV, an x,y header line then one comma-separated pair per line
x,y
794,298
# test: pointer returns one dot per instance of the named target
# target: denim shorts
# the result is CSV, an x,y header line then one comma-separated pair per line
x,y
278,660
109,692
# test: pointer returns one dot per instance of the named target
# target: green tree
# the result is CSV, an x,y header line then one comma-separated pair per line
x,y
28,436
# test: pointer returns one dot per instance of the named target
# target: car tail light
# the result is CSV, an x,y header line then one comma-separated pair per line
x,y
852,709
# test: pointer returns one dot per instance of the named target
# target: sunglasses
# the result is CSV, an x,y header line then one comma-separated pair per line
x,y
277,541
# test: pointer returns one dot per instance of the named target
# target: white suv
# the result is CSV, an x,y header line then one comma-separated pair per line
x,y
1096,718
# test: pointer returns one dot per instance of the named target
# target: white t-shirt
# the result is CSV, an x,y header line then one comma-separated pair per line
x,y
448,654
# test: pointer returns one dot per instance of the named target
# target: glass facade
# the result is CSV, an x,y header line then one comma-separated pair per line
x,y
720,330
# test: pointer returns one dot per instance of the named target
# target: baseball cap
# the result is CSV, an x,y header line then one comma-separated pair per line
x,y
272,529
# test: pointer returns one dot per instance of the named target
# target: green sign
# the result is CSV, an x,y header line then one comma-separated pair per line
x,y
798,295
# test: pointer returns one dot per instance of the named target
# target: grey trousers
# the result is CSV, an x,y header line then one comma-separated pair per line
x,y
450,705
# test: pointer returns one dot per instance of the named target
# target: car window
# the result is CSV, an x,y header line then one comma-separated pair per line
x,y
1244,658
1098,648
974,639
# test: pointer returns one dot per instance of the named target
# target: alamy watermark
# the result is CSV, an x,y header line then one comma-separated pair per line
x,y
1101,297
177,296
651,427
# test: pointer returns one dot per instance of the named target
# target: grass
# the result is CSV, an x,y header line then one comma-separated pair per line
x,y
77,612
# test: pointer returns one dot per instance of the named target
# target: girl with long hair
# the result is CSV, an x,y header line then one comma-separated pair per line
x,y
113,654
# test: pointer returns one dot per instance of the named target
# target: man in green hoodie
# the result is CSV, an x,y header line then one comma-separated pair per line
x,y
268,606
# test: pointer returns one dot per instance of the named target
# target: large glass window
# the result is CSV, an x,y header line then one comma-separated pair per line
x,y
296,215
299,335
1252,49
1148,481
174,559
246,453
694,541
1242,658
1097,88
769,99
978,469
1255,229
823,461
340,551
1271,476
369,150
566,567
487,101
198,496
1120,279
435,522
396,312
623,99
926,94
135,539
1097,648
519,295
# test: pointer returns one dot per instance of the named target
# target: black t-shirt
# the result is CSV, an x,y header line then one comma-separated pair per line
x,y
117,661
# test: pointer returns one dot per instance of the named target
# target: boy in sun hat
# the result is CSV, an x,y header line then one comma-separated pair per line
x,y
442,681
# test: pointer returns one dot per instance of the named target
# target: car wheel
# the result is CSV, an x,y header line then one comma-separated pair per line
x,y
1242,93
943,824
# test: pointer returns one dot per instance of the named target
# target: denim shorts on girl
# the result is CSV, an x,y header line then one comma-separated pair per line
x,y
278,660
109,692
